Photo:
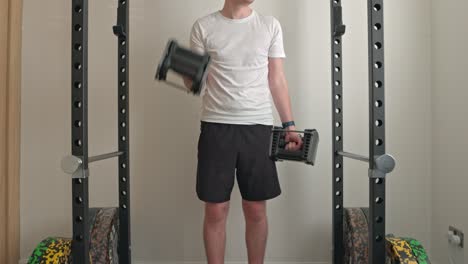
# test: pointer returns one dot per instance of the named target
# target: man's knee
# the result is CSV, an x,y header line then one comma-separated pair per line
x,y
254,211
216,212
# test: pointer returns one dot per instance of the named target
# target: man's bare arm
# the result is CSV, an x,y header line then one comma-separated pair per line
x,y
279,88
280,93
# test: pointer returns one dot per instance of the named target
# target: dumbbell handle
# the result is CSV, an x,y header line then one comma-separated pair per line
x,y
185,69
283,144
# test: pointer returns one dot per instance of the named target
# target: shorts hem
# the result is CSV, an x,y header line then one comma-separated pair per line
x,y
259,199
208,200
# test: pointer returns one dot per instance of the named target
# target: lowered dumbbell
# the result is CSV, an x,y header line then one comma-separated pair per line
x,y
306,154
186,63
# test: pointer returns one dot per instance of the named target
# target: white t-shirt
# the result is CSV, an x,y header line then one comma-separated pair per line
x,y
237,89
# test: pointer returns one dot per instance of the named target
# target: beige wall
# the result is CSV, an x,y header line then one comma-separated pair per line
x,y
449,71
166,215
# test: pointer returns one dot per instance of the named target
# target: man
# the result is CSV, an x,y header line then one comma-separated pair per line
x,y
247,54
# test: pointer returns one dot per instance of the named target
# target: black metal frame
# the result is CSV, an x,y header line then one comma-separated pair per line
x,y
79,128
376,131
79,108
337,134
79,100
122,32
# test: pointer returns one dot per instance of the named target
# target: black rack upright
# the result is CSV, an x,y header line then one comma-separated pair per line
x,y
379,163
121,30
376,131
79,108
77,164
337,134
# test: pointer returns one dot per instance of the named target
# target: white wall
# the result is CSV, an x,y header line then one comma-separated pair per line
x,y
166,215
449,72
408,113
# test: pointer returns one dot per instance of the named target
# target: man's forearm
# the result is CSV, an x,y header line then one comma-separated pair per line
x,y
280,93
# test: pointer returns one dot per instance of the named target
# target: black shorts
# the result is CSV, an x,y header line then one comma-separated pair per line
x,y
226,151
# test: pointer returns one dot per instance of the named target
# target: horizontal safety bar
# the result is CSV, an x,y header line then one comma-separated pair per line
x,y
353,156
105,156
72,164
383,164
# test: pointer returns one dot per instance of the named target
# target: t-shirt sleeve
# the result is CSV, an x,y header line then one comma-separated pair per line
x,y
196,39
276,46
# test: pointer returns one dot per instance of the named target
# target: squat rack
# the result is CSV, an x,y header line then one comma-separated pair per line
x,y
77,163
380,163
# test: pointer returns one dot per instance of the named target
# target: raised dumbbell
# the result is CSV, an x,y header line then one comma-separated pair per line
x,y
186,63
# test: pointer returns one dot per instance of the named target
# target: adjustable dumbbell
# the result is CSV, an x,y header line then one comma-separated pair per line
x,y
186,63
306,154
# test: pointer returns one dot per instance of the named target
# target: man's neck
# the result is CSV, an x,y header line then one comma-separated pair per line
x,y
233,11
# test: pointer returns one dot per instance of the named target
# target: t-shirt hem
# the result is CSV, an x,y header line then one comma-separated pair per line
x,y
238,122
277,56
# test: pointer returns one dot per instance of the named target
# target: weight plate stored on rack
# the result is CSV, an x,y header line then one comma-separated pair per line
x,y
52,250
365,211
400,251
355,236
104,237
103,228
92,217
418,250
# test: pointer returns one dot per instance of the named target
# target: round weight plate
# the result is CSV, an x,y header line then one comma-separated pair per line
x,y
355,236
92,218
400,251
52,250
104,237
365,211
418,250
58,250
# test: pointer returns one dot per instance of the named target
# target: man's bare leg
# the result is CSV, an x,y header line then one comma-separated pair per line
x,y
214,231
256,232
